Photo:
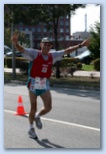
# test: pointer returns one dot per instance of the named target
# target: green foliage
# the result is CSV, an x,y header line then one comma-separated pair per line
x,y
20,13
94,46
74,64
8,62
79,66
32,14
97,64
70,65
21,63
7,36
67,62
23,40
88,67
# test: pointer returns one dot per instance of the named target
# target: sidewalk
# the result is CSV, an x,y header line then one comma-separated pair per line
x,y
77,73
87,73
9,70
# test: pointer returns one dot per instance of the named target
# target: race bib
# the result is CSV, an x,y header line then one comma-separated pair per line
x,y
40,83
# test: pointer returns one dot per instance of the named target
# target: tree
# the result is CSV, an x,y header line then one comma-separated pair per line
x,y
30,14
51,14
22,38
94,46
7,36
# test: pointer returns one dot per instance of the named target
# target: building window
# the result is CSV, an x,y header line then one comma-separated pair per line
x,y
61,30
20,28
67,23
61,23
26,29
38,37
67,30
61,37
67,37
44,30
33,29
50,31
67,17
33,36
38,29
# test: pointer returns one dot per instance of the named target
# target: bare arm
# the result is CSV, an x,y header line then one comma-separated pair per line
x,y
14,40
73,48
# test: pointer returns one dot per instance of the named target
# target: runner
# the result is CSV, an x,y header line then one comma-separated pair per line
x,y
40,70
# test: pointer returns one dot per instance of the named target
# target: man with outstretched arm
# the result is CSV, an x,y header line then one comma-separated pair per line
x,y
40,70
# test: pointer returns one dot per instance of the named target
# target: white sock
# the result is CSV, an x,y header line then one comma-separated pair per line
x,y
37,115
31,126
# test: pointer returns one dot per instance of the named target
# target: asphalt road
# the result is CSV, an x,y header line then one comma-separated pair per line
x,y
74,121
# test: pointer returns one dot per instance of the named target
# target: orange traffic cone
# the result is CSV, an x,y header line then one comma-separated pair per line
x,y
20,107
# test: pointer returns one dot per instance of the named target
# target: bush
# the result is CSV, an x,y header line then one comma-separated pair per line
x,y
24,67
69,65
8,62
79,66
68,62
72,69
21,63
97,64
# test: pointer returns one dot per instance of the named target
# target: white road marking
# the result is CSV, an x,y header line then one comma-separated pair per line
x,y
71,124
61,122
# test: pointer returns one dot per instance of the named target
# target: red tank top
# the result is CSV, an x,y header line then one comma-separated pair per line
x,y
41,67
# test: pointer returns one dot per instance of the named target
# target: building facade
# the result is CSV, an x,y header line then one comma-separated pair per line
x,y
81,35
39,31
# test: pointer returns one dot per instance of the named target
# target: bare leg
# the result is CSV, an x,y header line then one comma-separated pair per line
x,y
46,97
33,109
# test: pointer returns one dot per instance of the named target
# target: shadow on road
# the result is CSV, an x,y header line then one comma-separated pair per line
x,y
47,144
70,91
78,92
44,142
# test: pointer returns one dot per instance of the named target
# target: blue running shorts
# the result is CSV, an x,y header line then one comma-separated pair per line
x,y
37,92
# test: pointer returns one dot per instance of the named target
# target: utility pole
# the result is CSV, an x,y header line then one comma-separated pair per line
x,y
85,22
12,46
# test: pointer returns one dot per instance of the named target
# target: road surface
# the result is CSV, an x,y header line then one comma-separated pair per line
x,y
74,121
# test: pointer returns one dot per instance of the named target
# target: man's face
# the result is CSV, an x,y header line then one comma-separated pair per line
x,y
45,47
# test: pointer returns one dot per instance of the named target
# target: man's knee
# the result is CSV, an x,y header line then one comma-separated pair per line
x,y
48,108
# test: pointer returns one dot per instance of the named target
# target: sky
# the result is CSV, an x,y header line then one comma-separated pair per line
x,y
78,20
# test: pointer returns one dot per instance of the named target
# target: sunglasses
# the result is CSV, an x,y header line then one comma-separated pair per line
x,y
47,44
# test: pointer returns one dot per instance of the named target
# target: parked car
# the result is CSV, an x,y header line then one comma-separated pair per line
x,y
8,52
7,49
85,57
17,54
78,51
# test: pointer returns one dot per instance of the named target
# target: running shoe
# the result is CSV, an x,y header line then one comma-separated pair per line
x,y
32,133
38,122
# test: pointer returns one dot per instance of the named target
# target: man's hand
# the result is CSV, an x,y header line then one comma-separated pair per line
x,y
73,48
14,38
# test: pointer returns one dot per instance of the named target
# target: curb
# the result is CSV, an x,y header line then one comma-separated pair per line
x,y
79,87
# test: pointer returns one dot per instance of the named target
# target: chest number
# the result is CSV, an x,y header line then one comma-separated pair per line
x,y
44,68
